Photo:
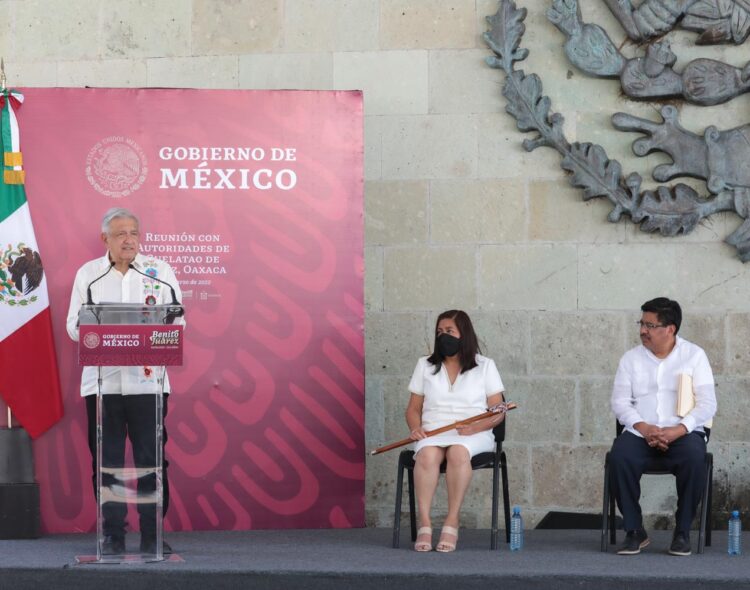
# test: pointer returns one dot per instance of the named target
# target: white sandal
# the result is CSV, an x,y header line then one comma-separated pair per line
x,y
423,546
445,546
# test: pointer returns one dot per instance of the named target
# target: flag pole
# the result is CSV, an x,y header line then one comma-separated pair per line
x,y
2,89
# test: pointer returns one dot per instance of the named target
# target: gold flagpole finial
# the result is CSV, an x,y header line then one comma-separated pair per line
x,y
2,74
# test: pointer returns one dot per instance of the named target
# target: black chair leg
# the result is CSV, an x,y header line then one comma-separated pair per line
x,y
397,511
506,495
412,507
709,513
702,520
605,507
608,509
705,506
495,489
612,520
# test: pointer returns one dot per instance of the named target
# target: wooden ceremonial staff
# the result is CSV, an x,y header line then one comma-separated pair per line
x,y
498,409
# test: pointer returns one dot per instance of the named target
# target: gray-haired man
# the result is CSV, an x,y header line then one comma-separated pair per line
x,y
127,391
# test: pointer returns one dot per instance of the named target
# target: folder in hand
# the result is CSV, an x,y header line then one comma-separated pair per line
x,y
686,397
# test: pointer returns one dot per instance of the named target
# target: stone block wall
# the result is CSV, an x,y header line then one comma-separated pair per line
x,y
456,213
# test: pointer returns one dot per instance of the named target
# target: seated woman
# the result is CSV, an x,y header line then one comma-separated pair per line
x,y
454,383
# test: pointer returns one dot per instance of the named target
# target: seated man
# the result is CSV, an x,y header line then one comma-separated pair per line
x,y
644,400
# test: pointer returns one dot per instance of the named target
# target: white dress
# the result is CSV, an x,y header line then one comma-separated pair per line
x,y
445,403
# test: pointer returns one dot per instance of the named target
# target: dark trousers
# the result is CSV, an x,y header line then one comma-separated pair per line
x,y
685,459
134,417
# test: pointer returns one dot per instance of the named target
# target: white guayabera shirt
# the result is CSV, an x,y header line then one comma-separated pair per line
x,y
645,388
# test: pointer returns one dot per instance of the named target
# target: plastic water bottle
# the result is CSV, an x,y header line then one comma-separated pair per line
x,y
516,530
734,547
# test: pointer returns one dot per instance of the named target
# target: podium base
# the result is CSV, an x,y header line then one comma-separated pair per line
x,y
19,511
127,559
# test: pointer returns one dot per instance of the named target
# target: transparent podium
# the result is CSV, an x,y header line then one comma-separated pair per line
x,y
130,345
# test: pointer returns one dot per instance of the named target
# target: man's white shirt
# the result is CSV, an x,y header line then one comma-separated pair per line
x,y
118,288
645,388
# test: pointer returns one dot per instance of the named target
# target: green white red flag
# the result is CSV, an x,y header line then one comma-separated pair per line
x,y
30,384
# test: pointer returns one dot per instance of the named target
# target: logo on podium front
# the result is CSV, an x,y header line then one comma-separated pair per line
x,y
91,340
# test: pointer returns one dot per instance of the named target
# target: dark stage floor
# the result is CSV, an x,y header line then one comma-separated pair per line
x,y
364,559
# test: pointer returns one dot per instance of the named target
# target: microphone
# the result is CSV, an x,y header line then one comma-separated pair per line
x,y
90,301
171,315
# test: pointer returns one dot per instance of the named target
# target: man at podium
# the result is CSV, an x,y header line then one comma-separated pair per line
x,y
123,275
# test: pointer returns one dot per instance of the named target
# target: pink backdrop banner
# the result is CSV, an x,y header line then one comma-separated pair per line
x,y
256,199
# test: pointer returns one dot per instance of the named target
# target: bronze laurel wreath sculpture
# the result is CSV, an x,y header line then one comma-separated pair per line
x,y
718,157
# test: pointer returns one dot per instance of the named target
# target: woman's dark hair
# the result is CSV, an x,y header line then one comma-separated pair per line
x,y
667,310
468,347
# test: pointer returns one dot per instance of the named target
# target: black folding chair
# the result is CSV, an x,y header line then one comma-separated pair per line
x,y
656,467
493,460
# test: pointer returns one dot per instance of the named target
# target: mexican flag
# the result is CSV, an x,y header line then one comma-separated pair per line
x,y
30,384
